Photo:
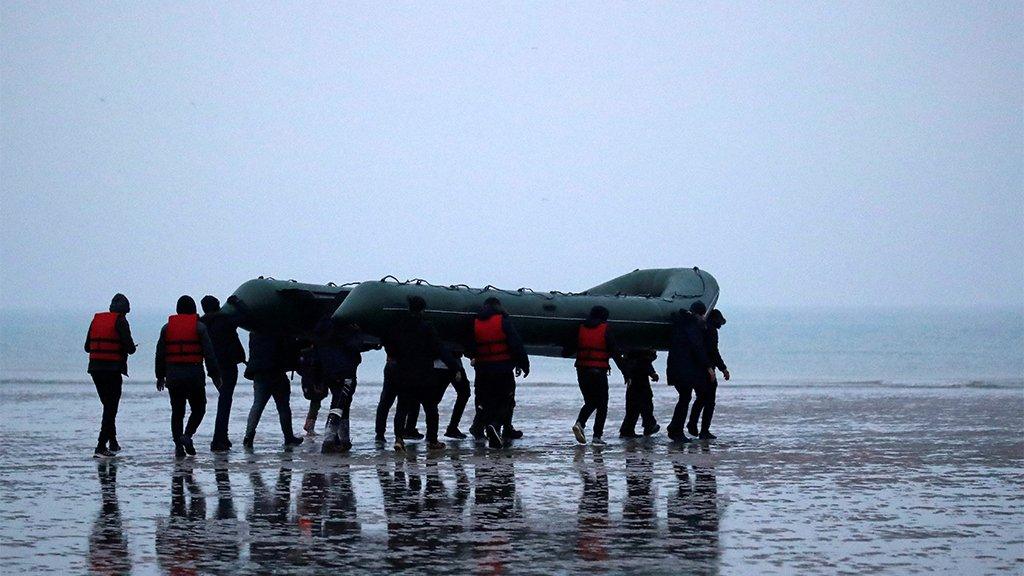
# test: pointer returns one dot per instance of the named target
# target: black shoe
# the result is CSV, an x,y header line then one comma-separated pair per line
x,y
678,436
628,435
652,430
247,442
493,439
102,452
454,433
706,436
113,446
229,443
179,451
477,433
511,433
219,446
380,441
692,429
413,434
293,441
190,448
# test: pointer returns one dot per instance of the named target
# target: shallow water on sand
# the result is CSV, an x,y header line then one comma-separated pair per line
x,y
810,480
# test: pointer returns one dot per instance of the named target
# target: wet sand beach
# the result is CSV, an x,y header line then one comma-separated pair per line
x,y
803,479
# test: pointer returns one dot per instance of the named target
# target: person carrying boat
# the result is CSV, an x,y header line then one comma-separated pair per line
x,y
228,348
183,346
271,356
444,377
414,344
704,405
338,354
689,366
593,346
109,343
639,372
498,357
388,398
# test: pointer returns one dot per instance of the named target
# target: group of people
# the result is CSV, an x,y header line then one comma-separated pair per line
x,y
419,370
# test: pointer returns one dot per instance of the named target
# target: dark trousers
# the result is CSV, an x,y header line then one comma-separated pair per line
x,y
594,386
192,392
444,379
388,395
704,405
108,386
265,387
639,404
495,396
685,389
342,388
228,380
417,389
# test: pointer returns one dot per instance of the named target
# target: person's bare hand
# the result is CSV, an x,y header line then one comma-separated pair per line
x,y
160,384
655,377
725,374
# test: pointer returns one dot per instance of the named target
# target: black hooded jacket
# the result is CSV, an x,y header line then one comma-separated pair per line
x,y
515,344
224,334
118,304
339,350
413,344
688,360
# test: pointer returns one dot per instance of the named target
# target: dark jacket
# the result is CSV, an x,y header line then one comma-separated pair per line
x,y
711,344
413,344
171,372
224,335
515,343
340,352
571,346
639,365
688,360
271,354
120,305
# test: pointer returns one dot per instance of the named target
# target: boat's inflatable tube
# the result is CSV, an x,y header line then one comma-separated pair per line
x,y
640,305
283,305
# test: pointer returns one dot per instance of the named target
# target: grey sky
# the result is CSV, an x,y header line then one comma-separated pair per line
x,y
839,153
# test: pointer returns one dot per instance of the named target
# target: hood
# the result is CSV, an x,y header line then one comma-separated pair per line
x,y
185,305
486,312
119,303
716,319
210,304
592,322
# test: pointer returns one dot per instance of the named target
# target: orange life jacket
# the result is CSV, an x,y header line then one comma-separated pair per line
x,y
104,341
181,340
491,342
592,351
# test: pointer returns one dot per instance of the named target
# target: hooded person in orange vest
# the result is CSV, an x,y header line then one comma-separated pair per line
x,y
593,347
109,343
183,346
498,356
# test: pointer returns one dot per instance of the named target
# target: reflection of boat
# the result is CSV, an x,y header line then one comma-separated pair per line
x,y
640,305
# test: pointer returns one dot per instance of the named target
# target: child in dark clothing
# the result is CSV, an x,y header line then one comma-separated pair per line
x,y
639,371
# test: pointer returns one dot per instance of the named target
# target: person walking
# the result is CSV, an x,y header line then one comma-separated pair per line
x,y
498,358
228,349
109,343
183,346
639,372
688,363
271,356
704,405
593,346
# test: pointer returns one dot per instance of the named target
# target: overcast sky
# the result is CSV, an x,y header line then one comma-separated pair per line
x,y
841,153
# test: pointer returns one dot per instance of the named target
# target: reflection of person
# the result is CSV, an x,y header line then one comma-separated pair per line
x,y
638,512
225,538
592,515
496,515
108,547
271,538
180,538
693,515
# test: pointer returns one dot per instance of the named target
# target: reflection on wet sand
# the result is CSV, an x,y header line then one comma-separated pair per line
x,y
108,546
437,518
